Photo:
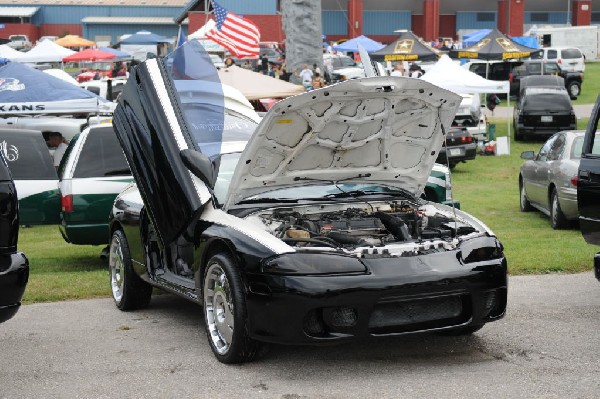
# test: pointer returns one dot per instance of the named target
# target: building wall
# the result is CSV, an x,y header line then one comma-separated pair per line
x,y
251,7
32,31
546,17
90,31
335,23
60,30
386,22
476,20
74,14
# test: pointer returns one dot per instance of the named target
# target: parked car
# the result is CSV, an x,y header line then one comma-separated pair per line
x,y
93,172
313,232
460,146
19,42
588,185
14,266
105,88
569,58
469,116
66,126
543,111
571,80
492,70
34,175
340,67
548,180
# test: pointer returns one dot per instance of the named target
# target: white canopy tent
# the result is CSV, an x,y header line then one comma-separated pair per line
x,y
450,76
45,51
9,53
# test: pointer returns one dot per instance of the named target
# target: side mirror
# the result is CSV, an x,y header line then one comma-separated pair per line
x,y
528,155
200,165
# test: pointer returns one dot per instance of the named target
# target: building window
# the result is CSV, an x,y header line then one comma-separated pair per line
x,y
540,17
596,17
486,17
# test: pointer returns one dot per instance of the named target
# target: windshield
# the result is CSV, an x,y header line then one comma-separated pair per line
x,y
547,100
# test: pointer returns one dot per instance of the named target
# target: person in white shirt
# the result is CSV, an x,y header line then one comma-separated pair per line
x,y
398,69
55,140
306,76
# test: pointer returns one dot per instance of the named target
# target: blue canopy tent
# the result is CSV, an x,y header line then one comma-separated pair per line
x,y
120,55
24,90
528,41
351,45
473,37
145,37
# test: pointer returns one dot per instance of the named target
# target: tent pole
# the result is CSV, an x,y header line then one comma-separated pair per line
x,y
508,119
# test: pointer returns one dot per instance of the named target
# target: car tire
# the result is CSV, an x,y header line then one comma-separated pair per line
x,y
524,203
468,330
574,89
225,312
557,217
129,291
518,136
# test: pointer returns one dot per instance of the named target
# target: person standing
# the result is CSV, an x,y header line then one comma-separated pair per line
x,y
306,77
398,69
264,64
317,81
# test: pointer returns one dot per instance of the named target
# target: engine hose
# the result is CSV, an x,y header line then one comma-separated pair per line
x,y
346,239
394,225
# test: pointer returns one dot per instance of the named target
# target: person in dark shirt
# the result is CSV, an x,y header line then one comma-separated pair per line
x,y
264,64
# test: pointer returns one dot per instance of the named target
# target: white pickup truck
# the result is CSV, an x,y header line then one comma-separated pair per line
x,y
19,42
68,127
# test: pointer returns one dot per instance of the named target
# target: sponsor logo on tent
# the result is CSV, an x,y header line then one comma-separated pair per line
x,y
11,84
11,152
23,107
481,44
404,46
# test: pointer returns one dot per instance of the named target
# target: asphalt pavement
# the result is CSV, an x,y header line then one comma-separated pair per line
x,y
547,346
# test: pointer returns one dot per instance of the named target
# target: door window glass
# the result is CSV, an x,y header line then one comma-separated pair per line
x,y
551,55
543,155
101,155
557,148
27,156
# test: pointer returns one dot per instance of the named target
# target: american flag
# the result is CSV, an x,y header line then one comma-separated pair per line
x,y
238,35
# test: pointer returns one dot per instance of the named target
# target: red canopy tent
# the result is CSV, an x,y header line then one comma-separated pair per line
x,y
89,55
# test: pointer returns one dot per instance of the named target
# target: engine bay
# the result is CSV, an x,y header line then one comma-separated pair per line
x,y
355,226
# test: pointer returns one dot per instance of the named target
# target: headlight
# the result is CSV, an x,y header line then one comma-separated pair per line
x,y
315,263
481,249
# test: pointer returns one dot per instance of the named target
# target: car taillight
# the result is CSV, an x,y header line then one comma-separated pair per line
x,y
573,118
510,77
66,202
574,181
559,61
466,139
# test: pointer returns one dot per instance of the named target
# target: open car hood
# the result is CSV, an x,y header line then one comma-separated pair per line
x,y
385,130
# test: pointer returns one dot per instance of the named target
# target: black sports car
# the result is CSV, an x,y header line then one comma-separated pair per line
x,y
14,266
305,228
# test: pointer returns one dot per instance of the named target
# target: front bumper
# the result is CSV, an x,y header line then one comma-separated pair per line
x,y
14,274
396,296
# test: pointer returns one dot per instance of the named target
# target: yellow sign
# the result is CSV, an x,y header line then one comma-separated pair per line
x,y
401,57
467,54
516,54
284,121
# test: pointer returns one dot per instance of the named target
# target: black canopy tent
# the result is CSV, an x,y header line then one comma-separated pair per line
x,y
407,47
495,46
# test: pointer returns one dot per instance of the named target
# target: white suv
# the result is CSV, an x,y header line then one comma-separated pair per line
x,y
342,67
570,59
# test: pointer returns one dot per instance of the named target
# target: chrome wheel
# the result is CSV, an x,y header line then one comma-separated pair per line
x,y
117,269
219,308
554,211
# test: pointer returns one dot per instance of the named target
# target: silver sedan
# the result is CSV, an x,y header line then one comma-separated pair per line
x,y
548,180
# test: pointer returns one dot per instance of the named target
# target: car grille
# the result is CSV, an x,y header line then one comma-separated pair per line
x,y
414,315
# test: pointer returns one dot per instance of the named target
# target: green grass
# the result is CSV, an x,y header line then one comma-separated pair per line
x,y
61,271
590,89
488,189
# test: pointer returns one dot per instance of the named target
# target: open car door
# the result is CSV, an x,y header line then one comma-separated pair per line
x,y
33,172
169,121
588,185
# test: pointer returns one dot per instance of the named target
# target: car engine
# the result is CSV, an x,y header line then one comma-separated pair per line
x,y
355,227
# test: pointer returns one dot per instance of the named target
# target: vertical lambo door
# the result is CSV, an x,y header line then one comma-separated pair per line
x,y
588,184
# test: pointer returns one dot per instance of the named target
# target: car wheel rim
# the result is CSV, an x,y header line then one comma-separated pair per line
x,y
218,306
554,208
117,271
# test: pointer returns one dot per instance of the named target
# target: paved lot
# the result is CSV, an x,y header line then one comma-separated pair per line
x,y
548,346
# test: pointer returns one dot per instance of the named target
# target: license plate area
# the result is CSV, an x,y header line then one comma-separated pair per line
x,y
455,152
546,118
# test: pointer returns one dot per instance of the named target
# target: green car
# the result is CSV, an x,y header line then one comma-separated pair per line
x,y
439,186
93,171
